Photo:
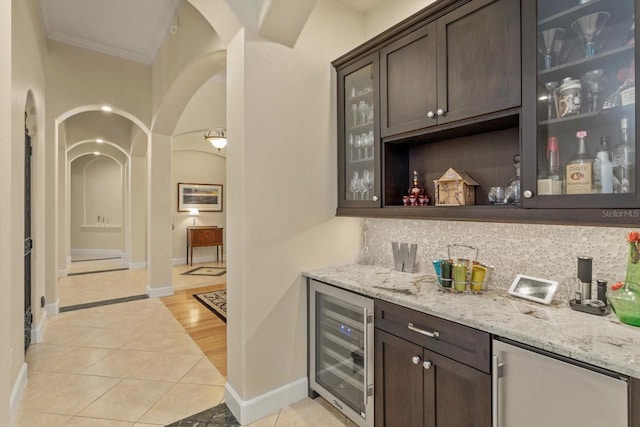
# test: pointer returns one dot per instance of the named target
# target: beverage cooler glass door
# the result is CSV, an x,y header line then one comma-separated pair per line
x,y
585,154
341,350
360,147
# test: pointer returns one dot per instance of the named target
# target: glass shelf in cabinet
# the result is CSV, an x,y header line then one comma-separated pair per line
x,y
363,126
592,119
600,60
361,161
622,10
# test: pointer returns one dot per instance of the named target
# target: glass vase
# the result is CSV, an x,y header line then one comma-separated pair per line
x,y
633,264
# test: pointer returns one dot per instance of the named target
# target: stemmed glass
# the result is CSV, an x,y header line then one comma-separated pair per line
x,y
367,181
354,185
358,145
551,88
364,111
592,78
354,110
351,145
546,40
588,29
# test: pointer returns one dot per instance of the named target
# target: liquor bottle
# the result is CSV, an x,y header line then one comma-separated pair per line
x,y
552,184
624,167
603,169
579,170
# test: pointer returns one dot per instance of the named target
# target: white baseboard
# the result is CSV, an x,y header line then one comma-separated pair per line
x,y
96,252
53,308
17,391
36,333
159,292
63,273
137,265
69,260
252,410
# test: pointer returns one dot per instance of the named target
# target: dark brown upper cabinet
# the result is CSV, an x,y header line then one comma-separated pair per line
x,y
464,64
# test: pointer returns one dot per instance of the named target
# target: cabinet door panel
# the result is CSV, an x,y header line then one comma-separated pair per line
x,y
408,79
398,382
455,394
479,59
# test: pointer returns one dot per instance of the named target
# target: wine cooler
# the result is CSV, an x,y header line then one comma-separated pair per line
x,y
341,350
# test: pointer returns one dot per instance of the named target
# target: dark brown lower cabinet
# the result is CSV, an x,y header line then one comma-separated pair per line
x,y
418,387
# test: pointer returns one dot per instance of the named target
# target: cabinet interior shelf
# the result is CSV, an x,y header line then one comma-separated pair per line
x,y
564,18
570,122
601,60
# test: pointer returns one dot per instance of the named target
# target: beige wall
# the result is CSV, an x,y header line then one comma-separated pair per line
x,y
194,166
281,175
388,13
96,190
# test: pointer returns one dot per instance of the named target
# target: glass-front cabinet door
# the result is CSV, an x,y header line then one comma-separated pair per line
x,y
358,134
579,110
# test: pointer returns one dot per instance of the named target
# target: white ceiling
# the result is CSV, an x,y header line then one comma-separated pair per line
x,y
130,29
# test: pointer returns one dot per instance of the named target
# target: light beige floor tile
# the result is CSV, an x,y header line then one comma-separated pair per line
x,y
182,401
95,422
120,363
64,394
204,373
308,410
268,421
127,401
166,367
33,419
146,425
54,358
174,342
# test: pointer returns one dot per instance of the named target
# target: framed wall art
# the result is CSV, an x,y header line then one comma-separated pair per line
x,y
204,197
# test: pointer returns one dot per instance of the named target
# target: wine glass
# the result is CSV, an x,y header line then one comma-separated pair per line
x,y
592,78
588,28
364,111
546,39
368,181
551,95
561,49
351,145
354,110
353,185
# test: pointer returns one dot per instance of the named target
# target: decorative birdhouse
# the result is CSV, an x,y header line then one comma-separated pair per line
x,y
455,189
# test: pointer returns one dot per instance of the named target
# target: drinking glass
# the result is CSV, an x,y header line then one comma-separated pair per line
x,y
551,96
496,195
354,110
358,146
353,185
364,111
588,28
546,40
592,78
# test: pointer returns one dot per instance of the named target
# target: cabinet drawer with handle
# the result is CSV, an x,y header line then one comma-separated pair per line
x,y
462,343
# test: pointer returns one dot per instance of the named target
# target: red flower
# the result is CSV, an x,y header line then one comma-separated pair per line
x,y
633,237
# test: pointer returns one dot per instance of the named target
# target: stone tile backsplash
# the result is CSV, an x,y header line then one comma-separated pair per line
x,y
546,251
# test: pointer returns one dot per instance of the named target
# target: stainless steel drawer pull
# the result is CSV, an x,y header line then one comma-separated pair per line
x,y
433,334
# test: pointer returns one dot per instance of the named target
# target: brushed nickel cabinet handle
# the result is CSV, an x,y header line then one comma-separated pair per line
x,y
433,334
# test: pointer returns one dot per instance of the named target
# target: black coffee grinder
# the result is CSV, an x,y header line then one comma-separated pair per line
x,y
582,301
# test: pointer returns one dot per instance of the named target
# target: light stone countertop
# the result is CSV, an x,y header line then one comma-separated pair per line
x,y
602,341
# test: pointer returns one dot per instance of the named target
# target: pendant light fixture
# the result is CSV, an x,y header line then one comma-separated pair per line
x,y
217,138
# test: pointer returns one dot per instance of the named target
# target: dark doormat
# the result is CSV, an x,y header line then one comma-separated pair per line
x,y
215,301
218,416
206,271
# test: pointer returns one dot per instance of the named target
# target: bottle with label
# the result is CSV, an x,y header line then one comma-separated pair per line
x,y
552,184
603,169
579,170
624,167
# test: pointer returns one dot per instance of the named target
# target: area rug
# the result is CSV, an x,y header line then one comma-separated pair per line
x,y
218,416
206,271
215,301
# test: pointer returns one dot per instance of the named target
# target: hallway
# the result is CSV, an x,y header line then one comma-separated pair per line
x,y
147,362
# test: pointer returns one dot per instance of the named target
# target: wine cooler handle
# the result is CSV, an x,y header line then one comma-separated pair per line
x,y
434,334
496,373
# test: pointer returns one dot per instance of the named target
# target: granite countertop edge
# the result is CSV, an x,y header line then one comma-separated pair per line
x,y
601,341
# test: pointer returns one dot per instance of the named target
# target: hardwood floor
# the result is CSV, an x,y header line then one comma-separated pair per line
x,y
204,327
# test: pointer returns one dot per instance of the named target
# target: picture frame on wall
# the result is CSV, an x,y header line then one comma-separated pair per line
x,y
204,197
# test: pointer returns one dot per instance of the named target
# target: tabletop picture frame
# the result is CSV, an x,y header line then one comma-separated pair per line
x,y
204,197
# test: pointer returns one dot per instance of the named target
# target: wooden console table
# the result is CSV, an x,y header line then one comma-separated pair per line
x,y
205,235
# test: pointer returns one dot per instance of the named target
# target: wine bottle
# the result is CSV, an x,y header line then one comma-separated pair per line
x,y
552,184
624,167
579,170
